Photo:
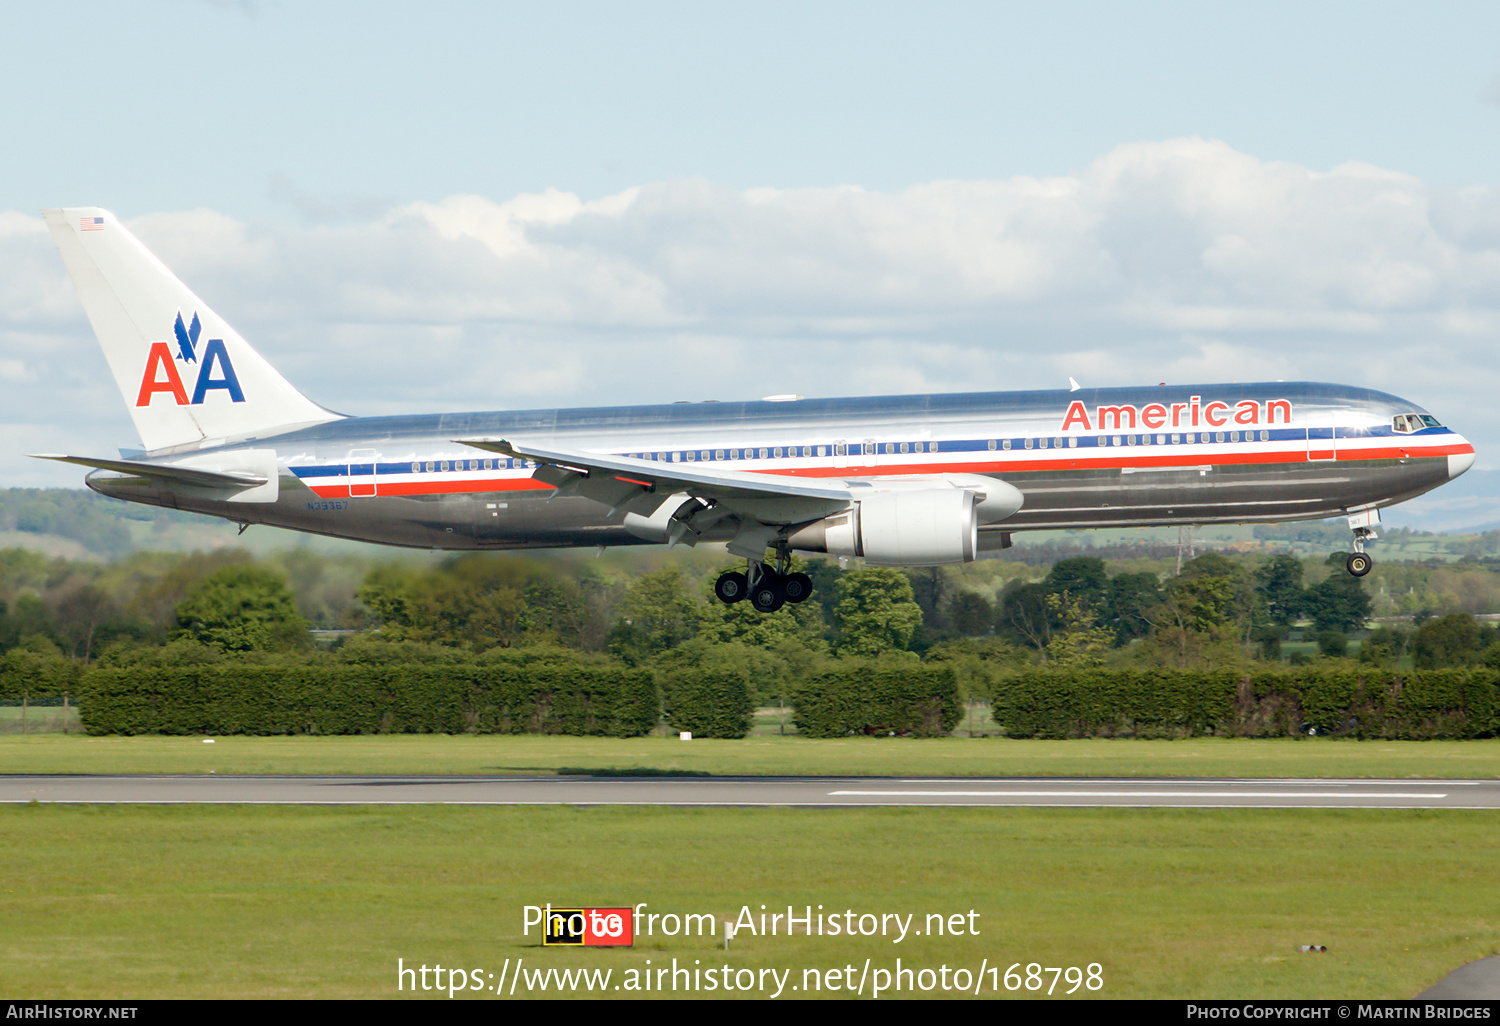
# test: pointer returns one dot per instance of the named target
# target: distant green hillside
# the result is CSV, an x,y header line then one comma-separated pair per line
x,y
77,523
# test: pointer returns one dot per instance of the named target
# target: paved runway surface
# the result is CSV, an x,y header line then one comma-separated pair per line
x,y
762,791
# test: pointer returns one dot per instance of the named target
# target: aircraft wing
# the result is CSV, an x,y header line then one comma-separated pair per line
x,y
643,485
163,471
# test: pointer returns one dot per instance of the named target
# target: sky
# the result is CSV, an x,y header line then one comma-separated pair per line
x,y
446,206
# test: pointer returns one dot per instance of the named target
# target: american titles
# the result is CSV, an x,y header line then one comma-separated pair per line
x,y
1191,414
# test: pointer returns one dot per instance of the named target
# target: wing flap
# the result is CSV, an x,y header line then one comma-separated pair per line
x,y
620,480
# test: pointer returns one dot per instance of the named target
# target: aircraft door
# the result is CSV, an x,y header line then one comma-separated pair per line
x,y
841,453
362,480
1321,444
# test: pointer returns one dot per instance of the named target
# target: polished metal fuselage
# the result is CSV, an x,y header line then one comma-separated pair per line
x,y
1169,455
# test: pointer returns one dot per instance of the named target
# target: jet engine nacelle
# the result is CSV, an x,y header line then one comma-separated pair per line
x,y
908,528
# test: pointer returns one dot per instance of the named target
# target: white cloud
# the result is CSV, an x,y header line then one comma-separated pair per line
x,y
1174,260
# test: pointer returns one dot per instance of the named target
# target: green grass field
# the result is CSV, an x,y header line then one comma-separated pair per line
x,y
211,902
767,754
206,902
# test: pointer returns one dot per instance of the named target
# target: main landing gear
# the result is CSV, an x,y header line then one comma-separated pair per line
x,y
767,588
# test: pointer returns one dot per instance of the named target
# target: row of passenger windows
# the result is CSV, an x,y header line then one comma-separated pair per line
x,y
442,466
1192,437
866,448
765,453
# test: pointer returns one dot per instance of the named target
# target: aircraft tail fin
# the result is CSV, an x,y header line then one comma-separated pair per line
x,y
187,377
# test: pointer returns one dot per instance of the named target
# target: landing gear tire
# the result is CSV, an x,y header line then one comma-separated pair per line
x,y
769,595
731,587
1359,564
797,587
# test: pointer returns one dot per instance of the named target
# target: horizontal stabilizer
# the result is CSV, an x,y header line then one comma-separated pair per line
x,y
164,471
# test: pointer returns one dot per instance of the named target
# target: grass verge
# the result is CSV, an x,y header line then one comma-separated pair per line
x,y
402,754
218,902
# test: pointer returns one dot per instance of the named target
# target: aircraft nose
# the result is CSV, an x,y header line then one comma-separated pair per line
x,y
1458,462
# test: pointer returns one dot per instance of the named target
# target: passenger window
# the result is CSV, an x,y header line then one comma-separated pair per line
x,y
765,453
1006,443
416,468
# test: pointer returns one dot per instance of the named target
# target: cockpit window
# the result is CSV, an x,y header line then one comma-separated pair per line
x,y
1406,423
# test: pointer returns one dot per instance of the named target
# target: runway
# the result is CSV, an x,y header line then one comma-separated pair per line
x,y
822,792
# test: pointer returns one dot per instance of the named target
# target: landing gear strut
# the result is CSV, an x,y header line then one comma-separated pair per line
x,y
768,588
1363,525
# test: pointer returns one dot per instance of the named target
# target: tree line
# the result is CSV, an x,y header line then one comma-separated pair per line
x,y
989,621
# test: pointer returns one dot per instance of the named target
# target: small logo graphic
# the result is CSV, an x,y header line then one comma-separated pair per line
x,y
588,927
161,374
91,224
187,338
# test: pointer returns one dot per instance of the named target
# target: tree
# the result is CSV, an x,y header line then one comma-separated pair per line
x,y
1338,603
655,615
876,612
971,614
1279,583
464,603
1385,645
1127,603
240,609
1082,577
1024,614
1077,642
1453,640
1197,615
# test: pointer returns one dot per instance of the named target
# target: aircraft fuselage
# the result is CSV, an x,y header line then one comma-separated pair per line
x,y
1124,457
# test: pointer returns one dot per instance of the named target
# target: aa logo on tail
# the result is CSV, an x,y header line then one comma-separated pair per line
x,y
161,374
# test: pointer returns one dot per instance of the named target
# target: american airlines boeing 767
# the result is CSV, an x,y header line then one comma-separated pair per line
x,y
913,480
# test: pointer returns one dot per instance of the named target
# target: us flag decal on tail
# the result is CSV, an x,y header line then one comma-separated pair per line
x,y
91,224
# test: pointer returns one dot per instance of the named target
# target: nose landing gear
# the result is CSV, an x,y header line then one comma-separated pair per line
x,y
1363,525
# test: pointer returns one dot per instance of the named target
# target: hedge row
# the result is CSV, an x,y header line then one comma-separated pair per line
x,y
356,699
916,699
708,704
920,700
25,674
1371,703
